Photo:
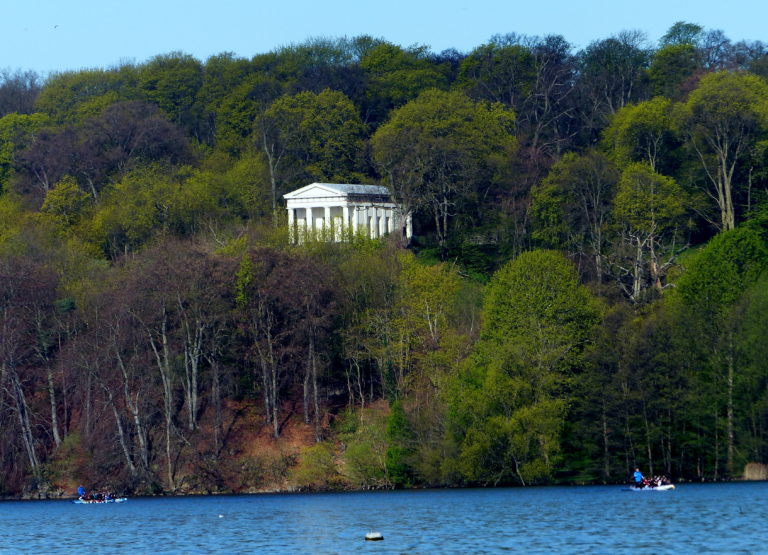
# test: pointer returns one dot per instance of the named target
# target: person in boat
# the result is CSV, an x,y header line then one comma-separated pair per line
x,y
81,492
640,480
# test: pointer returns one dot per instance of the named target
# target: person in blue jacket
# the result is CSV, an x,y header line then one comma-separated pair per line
x,y
81,492
639,478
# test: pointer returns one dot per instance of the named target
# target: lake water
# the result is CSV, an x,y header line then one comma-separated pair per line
x,y
713,518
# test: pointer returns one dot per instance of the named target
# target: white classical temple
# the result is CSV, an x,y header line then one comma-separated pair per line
x,y
331,210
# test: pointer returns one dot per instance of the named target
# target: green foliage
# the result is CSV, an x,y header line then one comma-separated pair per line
x,y
172,81
363,433
222,74
241,108
398,75
131,212
570,207
538,286
65,201
720,272
74,96
317,468
729,100
443,152
399,449
649,203
642,132
323,133
718,331
17,132
750,315
11,217
723,118
244,280
682,33
224,190
510,402
498,73
613,71
671,67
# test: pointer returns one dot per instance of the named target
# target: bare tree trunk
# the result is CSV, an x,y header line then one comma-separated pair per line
x,y
162,358
22,412
717,448
216,400
274,385
649,451
360,385
121,436
270,372
637,271
307,372
133,408
54,411
88,404
267,392
194,335
729,408
315,400
606,452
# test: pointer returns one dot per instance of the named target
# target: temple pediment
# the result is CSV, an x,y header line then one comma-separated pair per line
x,y
336,190
314,190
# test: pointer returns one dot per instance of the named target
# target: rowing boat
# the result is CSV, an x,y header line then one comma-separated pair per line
x,y
665,487
99,501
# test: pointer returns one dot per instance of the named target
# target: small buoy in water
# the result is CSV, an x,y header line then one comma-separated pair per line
x,y
374,536
221,516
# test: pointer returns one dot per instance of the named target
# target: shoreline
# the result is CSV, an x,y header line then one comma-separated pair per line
x,y
290,491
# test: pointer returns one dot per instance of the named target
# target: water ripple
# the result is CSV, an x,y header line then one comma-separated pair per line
x,y
694,518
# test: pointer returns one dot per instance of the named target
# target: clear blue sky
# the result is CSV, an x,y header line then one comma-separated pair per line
x,y
56,35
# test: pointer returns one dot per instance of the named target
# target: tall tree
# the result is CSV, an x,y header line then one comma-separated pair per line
x,y
672,67
396,76
222,73
18,91
682,32
643,132
722,119
315,136
73,96
104,147
612,73
172,81
442,151
649,206
511,401
710,290
570,208
17,133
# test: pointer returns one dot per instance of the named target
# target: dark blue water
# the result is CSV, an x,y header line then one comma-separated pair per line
x,y
716,518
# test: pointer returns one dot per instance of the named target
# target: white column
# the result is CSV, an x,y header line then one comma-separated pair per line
x,y
408,226
345,219
310,222
291,231
374,229
382,221
355,217
327,222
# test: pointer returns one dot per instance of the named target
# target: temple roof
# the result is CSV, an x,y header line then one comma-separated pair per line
x,y
336,189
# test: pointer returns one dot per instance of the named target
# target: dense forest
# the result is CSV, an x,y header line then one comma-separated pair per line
x,y
586,289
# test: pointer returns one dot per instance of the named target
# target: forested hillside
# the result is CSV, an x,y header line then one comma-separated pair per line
x,y
586,290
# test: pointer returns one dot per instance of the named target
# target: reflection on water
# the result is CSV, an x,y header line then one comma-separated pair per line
x,y
600,519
